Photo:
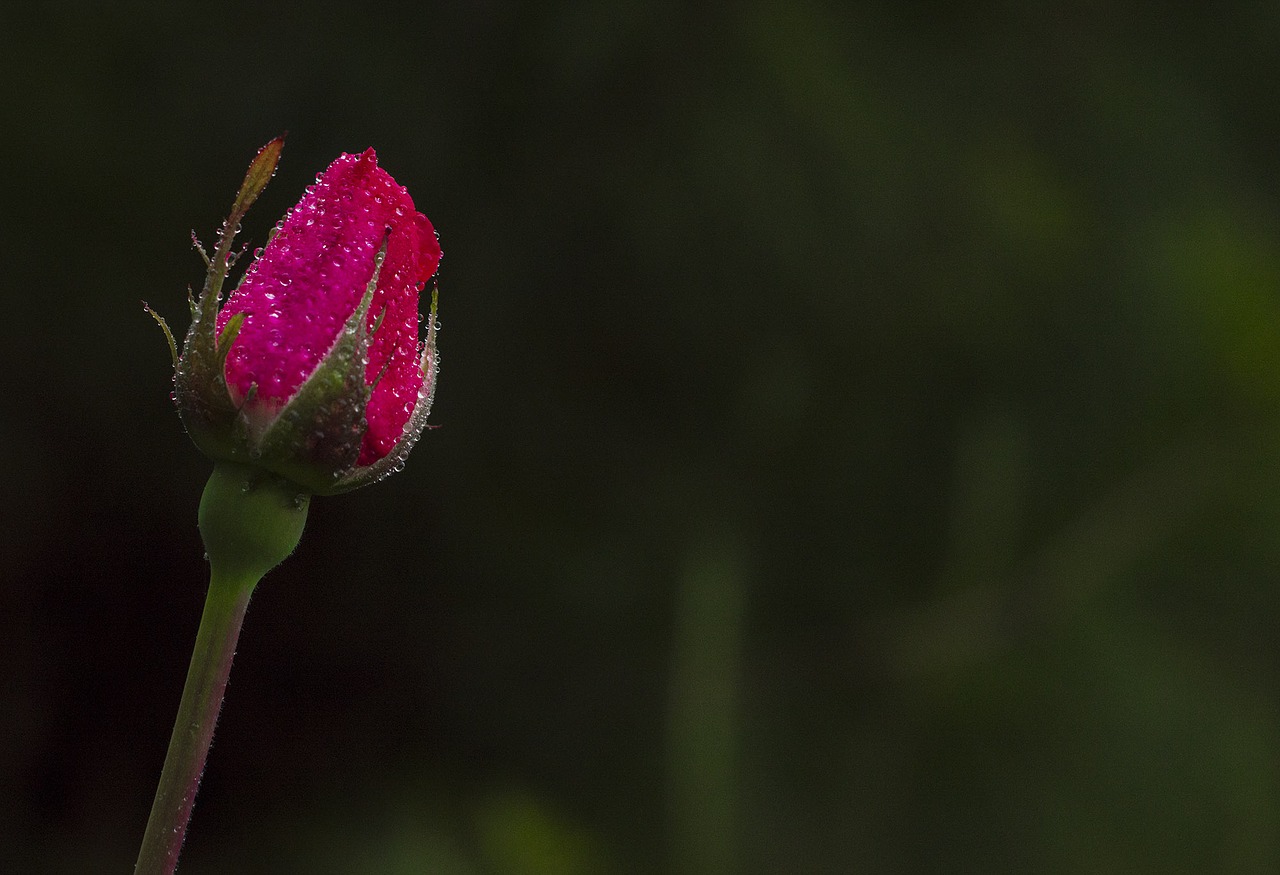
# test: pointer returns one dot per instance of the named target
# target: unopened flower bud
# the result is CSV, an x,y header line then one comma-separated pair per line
x,y
313,368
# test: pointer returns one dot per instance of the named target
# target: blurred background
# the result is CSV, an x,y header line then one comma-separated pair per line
x,y
857,441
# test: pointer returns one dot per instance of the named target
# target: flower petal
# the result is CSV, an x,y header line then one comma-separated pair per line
x,y
310,278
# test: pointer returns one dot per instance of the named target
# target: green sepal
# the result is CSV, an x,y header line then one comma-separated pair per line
x,y
204,256
204,400
168,335
394,460
315,438
261,169
228,336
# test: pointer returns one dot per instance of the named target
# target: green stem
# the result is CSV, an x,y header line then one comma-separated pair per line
x,y
224,609
250,520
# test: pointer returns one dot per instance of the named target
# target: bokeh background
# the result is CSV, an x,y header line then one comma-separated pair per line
x,y
857,446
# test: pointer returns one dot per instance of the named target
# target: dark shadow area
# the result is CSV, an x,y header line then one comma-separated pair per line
x,y
853,449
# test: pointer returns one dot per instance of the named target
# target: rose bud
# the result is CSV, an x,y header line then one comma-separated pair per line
x,y
313,368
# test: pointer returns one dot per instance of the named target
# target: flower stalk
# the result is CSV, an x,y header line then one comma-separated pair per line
x,y
309,378
193,730
250,522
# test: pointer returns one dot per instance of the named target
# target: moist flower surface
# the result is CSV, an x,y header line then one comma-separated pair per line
x,y
313,368
309,380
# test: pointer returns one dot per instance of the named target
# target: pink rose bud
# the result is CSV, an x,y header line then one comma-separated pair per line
x,y
313,368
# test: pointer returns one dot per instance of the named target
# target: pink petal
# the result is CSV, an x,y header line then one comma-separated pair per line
x,y
311,276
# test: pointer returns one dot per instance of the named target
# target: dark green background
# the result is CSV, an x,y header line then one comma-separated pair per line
x,y
857,444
